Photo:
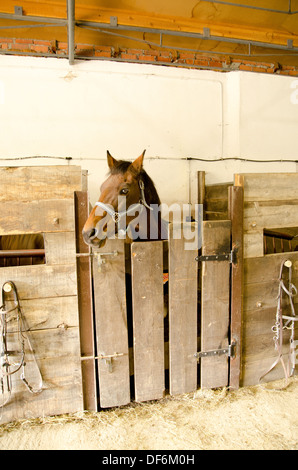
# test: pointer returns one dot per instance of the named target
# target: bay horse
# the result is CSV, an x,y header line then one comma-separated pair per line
x,y
127,191
34,241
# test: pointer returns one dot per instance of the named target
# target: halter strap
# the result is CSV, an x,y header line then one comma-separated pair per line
x,y
116,216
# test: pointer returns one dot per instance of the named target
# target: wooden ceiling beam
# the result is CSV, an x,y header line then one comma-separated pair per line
x,y
88,11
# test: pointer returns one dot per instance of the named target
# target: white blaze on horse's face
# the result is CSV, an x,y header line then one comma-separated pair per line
x,y
118,193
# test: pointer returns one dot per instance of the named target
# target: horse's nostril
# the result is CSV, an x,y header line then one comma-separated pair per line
x,y
91,233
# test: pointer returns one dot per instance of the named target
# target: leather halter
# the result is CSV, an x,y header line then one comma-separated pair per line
x,y
117,216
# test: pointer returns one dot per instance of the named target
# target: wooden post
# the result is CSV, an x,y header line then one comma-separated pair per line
x,y
201,190
215,304
84,277
236,217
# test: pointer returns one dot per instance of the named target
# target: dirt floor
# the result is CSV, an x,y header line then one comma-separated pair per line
x,y
260,417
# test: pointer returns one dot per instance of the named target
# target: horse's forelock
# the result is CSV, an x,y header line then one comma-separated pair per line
x,y
122,166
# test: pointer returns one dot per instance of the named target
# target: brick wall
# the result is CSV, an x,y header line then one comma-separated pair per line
x,y
158,57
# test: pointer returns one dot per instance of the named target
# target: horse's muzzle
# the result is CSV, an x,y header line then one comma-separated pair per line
x,y
90,238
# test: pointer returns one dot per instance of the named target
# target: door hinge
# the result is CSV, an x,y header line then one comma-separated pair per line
x,y
229,351
230,256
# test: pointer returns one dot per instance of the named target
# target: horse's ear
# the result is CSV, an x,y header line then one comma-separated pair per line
x,y
137,165
111,160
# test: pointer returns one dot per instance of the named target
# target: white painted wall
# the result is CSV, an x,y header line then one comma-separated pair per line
x,y
48,108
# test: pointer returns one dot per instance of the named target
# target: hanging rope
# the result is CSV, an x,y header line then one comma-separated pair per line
x,y
7,367
284,322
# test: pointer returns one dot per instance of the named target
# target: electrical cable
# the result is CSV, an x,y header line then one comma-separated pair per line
x,y
205,160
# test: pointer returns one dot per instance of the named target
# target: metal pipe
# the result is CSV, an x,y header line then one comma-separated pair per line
x,y
43,25
34,19
22,253
71,29
106,29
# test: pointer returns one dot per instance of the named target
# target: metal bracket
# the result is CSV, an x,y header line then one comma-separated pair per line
x,y
231,257
18,11
230,351
206,33
114,21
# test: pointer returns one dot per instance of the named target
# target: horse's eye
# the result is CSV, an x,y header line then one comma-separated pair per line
x,y
124,191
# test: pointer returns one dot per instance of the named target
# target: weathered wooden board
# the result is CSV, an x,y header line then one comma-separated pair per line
x,y
268,186
85,303
253,244
51,215
183,286
37,183
111,324
60,248
260,215
270,201
259,354
262,295
216,201
236,217
42,281
267,269
148,320
260,305
50,313
57,356
256,347
215,303
253,370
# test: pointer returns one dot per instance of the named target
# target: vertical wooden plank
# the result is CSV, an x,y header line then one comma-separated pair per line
x,y
236,216
84,276
182,312
201,190
111,323
148,320
215,303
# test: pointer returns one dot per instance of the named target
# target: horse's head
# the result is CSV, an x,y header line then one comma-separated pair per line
x,y
122,190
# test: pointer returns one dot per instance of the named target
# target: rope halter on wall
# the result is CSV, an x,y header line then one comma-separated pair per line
x,y
13,316
284,322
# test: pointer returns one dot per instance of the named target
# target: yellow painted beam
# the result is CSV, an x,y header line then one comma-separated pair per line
x,y
187,16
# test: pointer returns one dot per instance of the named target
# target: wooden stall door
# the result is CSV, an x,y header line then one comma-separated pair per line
x,y
111,324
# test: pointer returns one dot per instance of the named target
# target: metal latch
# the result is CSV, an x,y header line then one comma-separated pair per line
x,y
101,258
106,358
230,351
230,256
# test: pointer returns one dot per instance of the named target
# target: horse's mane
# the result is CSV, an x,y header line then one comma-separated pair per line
x,y
151,194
